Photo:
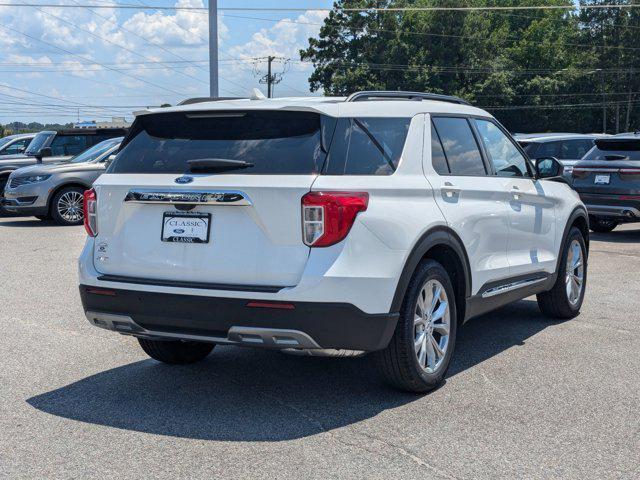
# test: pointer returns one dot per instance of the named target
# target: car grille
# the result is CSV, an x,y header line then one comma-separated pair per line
x,y
16,182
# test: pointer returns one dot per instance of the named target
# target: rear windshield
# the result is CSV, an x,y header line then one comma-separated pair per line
x,y
622,149
275,142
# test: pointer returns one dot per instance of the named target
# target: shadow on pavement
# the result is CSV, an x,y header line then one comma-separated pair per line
x,y
617,236
256,395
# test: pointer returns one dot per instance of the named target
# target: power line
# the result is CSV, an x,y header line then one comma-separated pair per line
x,y
123,6
444,35
85,60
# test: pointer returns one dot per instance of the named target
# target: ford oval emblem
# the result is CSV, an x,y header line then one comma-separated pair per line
x,y
178,231
184,179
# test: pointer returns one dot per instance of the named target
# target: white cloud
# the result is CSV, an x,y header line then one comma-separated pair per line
x,y
184,28
284,39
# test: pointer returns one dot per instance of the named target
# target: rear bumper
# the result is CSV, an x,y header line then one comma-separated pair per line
x,y
233,321
614,206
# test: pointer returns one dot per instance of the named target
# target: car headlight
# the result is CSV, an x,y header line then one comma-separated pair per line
x,y
31,179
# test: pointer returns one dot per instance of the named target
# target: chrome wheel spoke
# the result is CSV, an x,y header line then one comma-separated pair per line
x,y
441,328
440,312
419,341
432,361
436,346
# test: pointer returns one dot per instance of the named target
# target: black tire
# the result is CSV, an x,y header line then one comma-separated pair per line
x,y
399,362
602,225
555,303
54,211
175,352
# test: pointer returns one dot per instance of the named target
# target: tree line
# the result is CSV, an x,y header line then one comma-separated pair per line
x,y
573,70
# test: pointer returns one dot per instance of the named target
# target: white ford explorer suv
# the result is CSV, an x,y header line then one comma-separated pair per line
x,y
377,223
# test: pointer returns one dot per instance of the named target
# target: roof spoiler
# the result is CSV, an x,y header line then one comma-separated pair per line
x,y
400,95
190,101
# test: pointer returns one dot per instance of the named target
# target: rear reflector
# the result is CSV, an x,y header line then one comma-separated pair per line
x,y
281,306
327,217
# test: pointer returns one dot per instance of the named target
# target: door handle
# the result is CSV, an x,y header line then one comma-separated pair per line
x,y
450,191
515,192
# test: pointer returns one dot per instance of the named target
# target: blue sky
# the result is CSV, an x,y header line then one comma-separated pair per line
x,y
56,63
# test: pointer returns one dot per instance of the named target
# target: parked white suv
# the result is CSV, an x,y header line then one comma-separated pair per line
x,y
370,223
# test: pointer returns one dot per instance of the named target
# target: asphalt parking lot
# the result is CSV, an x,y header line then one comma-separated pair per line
x,y
525,397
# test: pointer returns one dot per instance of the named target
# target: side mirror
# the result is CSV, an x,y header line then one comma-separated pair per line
x,y
44,152
109,159
549,168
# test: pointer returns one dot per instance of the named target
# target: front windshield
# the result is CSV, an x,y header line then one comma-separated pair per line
x,y
38,142
96,151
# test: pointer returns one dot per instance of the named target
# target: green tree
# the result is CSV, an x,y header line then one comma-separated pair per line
x,y
536,70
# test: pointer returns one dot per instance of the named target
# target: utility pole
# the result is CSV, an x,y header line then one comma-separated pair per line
x,y
213,48
271,78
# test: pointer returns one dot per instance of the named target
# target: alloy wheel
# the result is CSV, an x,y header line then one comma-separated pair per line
x,y
70,206
574,277
431,325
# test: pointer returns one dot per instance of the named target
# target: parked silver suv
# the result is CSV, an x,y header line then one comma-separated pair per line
x,y
55,190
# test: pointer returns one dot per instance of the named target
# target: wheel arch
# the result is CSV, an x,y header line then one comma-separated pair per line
x,y
57,190
579,218
443,245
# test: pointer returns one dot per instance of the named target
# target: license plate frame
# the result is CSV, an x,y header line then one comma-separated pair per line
x,y
602,179
198,233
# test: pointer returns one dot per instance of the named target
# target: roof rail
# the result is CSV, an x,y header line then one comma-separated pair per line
x,y
190,101
400,95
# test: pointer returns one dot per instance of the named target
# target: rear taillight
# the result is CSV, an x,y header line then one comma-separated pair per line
x,y
327,217
90,212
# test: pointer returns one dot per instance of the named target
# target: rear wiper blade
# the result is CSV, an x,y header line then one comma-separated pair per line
x,y
616,157
216,164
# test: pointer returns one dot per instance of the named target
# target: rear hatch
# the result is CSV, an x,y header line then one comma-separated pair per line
x,y
174,206
612,167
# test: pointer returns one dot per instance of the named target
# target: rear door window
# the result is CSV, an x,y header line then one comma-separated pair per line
x,y
367,146
460,146
507,159
63,145
275,142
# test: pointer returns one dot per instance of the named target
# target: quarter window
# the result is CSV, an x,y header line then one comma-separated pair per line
x,y
367,146
506,158
459,145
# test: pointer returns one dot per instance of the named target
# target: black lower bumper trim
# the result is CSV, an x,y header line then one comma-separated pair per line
x,y
330,325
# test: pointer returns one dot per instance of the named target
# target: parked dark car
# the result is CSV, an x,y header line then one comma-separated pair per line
x,y
608,181
569,148
52,147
